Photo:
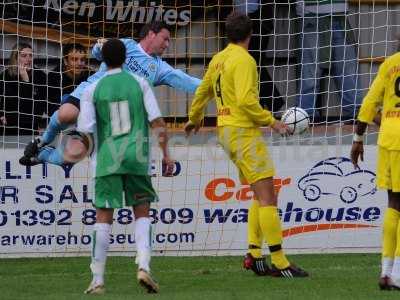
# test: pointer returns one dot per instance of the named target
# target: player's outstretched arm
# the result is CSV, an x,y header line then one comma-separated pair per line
x,y
96,50
203,94
156,122
177,79
246,87
160,128
357,149
378,118
368,112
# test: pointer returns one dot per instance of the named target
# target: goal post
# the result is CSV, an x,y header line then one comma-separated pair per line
x,y
324,204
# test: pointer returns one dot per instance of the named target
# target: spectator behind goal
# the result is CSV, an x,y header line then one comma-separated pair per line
x,y
23,94
64,78
327,43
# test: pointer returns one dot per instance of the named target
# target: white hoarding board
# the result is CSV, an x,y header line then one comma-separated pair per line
x,y
325,205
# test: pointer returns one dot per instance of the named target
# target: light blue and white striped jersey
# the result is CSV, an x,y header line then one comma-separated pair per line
x,y
153,68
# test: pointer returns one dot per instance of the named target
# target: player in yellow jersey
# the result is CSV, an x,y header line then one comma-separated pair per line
x,y
232,80
385,92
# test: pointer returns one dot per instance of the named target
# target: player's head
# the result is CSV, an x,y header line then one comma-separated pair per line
x,y
114,53
238,28
74,59
155,37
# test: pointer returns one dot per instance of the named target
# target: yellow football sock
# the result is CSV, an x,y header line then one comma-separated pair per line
x,y
254,234
391,234
397,231
271,228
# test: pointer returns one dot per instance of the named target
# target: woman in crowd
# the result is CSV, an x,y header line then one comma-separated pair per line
x,y
23,94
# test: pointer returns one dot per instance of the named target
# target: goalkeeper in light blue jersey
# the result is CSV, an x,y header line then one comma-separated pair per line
x,y
143,59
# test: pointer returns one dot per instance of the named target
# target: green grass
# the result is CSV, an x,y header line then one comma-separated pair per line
x,y
344,276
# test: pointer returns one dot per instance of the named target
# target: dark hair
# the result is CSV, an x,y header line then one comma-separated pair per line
x,y
238,27
155,26
114,53
72,46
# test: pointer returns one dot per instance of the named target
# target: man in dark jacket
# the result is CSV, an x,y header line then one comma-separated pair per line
x,y
70,73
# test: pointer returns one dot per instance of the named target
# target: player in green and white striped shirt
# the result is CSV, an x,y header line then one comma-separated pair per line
x,y
118,111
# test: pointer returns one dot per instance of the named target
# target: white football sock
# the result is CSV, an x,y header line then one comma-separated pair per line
x,y
100,244
387,266
143,243
396,271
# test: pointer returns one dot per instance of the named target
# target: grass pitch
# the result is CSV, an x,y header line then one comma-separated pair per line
x,y
344,276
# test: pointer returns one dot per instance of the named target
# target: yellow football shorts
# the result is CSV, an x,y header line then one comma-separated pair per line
x,y
247,149
388,170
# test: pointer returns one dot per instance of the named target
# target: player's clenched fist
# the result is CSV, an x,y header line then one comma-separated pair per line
x,y
189,127
100,42
168,167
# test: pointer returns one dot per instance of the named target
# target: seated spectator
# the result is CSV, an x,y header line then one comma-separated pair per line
x,y
327,44
72,71
23,98
262,15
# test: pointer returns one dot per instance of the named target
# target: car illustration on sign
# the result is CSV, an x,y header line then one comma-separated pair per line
x,y
337,176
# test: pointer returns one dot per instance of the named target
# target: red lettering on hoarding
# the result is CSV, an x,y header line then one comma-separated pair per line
x,y
245,193
279,183
223,189
319,227
211,187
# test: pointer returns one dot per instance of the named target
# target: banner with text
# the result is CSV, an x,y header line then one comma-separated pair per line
x,y
325,205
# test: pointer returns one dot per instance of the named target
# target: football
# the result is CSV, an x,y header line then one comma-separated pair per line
x,y
297,119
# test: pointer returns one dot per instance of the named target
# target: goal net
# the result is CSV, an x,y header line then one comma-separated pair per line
x,y
318,55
